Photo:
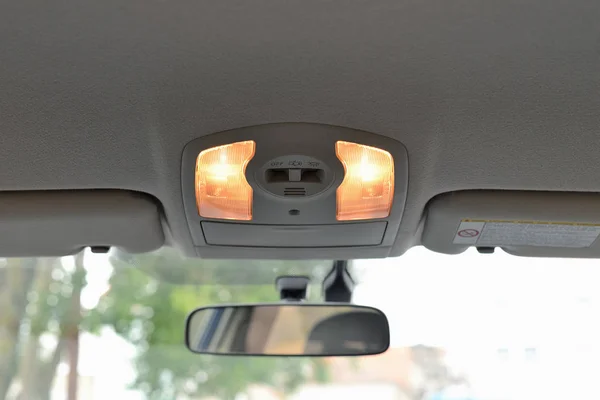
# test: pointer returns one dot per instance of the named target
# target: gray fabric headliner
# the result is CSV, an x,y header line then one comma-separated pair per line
x,y
105,94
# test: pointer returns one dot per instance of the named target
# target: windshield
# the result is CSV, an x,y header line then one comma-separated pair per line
x,y
471,326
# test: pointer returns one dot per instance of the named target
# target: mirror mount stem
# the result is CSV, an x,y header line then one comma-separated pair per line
x,y
338,284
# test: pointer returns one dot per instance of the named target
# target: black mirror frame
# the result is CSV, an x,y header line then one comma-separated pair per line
x,y
294,304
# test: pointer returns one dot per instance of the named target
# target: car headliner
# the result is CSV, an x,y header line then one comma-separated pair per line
x,y
484,95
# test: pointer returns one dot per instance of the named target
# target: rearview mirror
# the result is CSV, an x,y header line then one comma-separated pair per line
x,y
288,330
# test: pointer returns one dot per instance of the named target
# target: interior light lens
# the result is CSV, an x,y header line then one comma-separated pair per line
x,y
367,190
222,190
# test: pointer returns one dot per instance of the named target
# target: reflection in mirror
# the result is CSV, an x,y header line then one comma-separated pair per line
x,y
288,330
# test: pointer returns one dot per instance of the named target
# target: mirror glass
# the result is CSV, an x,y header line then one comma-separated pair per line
x,y
288,330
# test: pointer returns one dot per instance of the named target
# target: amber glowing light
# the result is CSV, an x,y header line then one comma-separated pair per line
x,y
367,190
222,190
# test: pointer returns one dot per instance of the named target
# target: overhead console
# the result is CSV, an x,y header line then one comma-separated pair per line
x,y
310,190
524,223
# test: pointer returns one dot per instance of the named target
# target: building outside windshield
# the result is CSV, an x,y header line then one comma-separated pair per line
x,y
465,327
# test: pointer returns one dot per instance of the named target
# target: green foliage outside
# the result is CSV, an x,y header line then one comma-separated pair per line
x,y
166,368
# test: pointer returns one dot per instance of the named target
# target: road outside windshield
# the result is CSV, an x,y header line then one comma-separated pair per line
x,y
466,327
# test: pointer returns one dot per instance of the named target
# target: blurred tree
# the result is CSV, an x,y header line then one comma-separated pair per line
x,y
149,299
36,302
15,282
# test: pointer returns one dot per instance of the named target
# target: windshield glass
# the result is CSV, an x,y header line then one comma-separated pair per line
x,y
471,326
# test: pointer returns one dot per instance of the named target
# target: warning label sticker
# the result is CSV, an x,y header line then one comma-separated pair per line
x,y
526,233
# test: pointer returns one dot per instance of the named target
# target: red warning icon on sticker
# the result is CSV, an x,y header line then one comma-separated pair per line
x,y
468,233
